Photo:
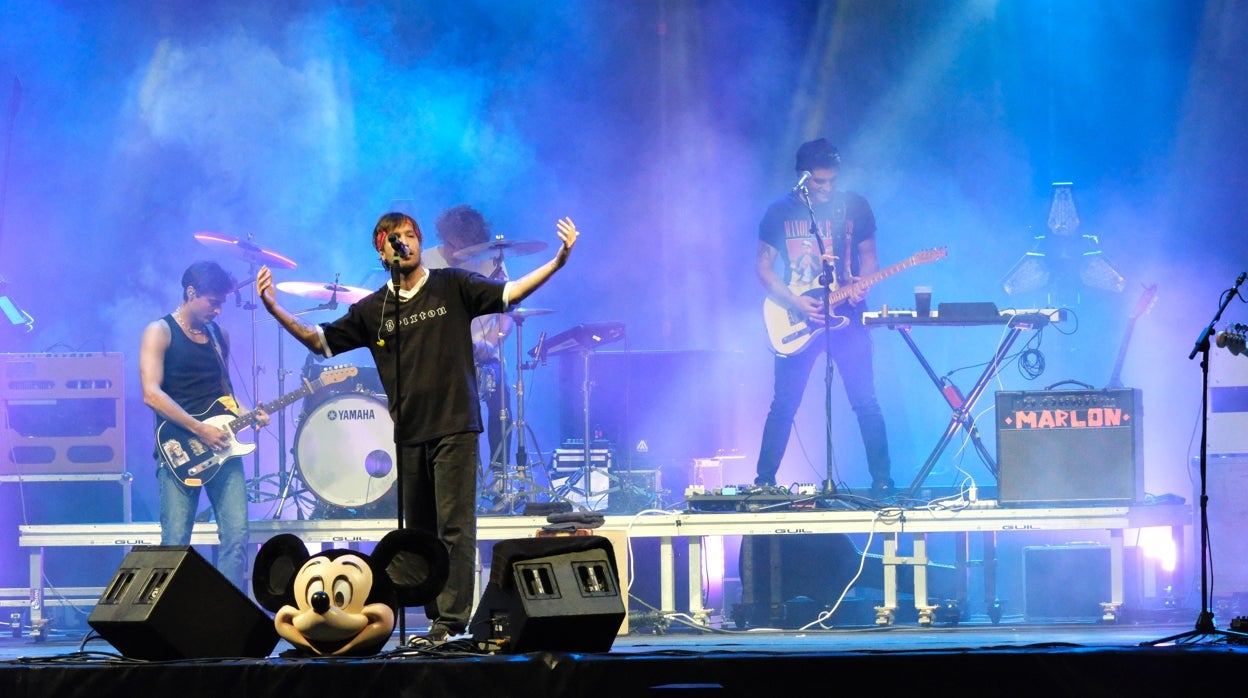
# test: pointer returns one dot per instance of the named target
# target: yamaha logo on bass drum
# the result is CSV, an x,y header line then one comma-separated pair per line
x,y
351,415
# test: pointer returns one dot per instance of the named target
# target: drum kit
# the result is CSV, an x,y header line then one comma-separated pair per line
x,y
344,443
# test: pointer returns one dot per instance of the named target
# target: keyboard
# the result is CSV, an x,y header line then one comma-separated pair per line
x,y
967,315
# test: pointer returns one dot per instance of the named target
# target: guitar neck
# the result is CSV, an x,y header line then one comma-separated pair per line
x,y
1115,379
278,404
841,294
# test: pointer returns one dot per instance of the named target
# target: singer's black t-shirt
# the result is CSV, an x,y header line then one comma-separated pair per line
x,y
844,222
434,337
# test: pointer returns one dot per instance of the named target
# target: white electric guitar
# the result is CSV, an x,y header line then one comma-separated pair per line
x,y
190,459
791,331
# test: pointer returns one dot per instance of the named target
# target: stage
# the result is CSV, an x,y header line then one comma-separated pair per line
x,y
975,658
901,640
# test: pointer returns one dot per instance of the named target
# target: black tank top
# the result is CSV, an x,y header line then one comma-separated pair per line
x,y
192,371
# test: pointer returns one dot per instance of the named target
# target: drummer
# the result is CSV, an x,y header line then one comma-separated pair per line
x,y
461,227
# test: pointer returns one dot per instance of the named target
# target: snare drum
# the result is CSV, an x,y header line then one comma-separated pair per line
x,y
345,450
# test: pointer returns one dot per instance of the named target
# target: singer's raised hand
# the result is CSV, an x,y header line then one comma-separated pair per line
x,y
264,286
568,234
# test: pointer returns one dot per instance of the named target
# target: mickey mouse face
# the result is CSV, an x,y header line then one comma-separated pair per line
x,y
331,615
341,602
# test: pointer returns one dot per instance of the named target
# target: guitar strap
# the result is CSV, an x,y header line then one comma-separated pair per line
x,y
211,328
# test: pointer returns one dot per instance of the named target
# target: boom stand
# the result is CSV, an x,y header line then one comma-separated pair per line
x,y
1205,625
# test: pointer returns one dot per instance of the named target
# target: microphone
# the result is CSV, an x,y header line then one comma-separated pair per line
x,y
1242,275
541,348
397,245
801,183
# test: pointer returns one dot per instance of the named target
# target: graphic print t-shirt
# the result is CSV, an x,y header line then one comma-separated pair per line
x,y
843,223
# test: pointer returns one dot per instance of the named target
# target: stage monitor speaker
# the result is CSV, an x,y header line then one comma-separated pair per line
x,y
1070,447
168,602
558,593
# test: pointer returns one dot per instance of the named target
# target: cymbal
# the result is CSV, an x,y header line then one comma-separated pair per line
x,y
323,292
244,249
522,313
500,247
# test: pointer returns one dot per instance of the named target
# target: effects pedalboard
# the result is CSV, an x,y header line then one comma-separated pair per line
x,y
751,498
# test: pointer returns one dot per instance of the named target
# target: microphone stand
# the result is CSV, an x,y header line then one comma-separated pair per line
x,y
1204,622
398,414
826,278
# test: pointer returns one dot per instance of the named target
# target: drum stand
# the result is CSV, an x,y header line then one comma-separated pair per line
x,y
518,486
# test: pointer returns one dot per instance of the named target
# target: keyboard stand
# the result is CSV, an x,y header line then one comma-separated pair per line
x,y
963,407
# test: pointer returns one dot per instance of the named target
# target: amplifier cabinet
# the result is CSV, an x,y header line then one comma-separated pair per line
x,y
1070,447
1066,582
63,414
1228,403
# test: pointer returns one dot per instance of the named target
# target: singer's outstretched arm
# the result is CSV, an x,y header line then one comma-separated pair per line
x,y
305,333
523,287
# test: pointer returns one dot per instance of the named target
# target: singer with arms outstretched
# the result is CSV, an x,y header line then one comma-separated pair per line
x,y
439,424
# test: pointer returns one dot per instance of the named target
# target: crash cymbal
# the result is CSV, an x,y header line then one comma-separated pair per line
x,y
244,249
522,313
323,292
500,247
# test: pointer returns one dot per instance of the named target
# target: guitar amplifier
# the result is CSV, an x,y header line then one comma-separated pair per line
x,y
1070,447
63,414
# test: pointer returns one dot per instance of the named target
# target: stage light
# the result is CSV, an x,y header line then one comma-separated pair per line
x,y
1063,256
1157,544
15,319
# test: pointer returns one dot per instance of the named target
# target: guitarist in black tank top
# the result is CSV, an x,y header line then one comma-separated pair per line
x,y
182,367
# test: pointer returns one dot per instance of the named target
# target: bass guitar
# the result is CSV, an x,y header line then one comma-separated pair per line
x,y
194,464
790,331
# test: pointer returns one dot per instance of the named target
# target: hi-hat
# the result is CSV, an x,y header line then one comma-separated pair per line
x,y
323,292
244,249
522,313
500,247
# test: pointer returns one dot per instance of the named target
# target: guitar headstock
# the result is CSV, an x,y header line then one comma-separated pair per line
x,y
1146,302
925,256
1233,338
337,375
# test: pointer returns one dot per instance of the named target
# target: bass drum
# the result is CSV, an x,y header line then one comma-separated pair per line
x,y
344,450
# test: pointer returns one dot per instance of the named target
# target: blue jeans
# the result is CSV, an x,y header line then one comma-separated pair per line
x,y
851,351
227,491
440,496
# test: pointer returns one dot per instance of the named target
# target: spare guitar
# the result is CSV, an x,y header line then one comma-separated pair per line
x,y
194,464
790,331
1147,300
1232,338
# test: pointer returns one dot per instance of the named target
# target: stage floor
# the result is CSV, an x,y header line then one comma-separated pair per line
x,y
981,658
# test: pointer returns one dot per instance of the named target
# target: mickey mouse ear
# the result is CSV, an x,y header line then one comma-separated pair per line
x,y
416,563
277,563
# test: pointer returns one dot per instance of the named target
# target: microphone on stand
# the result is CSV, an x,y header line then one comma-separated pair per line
x,y
541,348
801,183
397,245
